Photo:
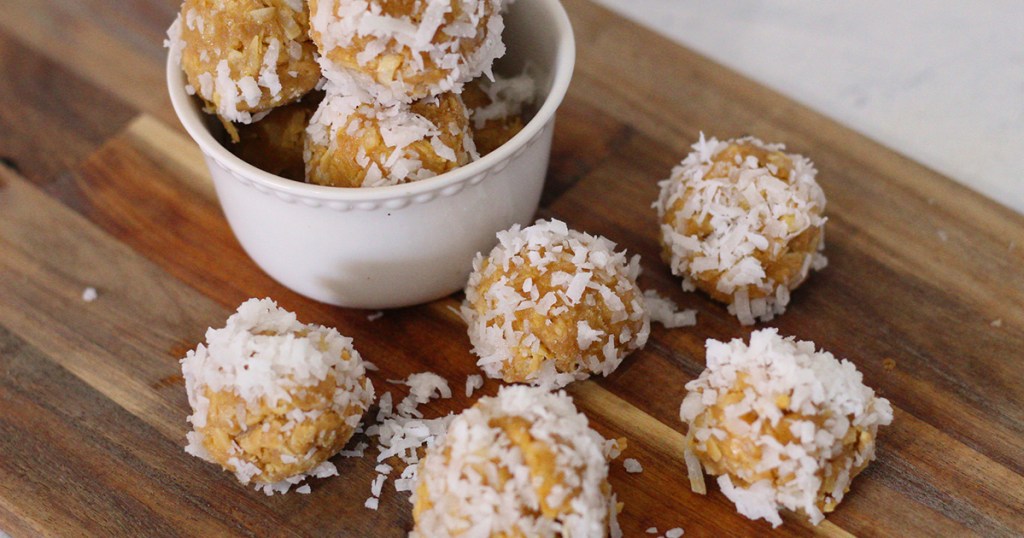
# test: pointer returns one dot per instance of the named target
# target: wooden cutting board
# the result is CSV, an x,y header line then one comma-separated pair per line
x,y
100,187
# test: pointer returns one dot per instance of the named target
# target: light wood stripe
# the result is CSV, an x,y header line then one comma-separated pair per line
x,y
176,150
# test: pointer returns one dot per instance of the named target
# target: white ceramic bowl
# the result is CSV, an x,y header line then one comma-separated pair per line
x,y
399,245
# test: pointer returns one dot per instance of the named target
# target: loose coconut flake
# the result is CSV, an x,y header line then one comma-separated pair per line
x,y
473,382
422,387
401,432
89,294
664,311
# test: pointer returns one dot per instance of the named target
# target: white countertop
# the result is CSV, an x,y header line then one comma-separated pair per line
x,y
940,82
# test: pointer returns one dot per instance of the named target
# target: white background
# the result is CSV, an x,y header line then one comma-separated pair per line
x,y
940,82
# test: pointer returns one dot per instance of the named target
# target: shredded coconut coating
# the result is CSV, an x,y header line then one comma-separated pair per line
x,y
523,463
550,305
273,398
403,50
743,221
275,143
781,425
497,108
350,143
244,57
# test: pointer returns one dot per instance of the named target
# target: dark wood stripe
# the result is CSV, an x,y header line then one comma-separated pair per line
x,y
50,119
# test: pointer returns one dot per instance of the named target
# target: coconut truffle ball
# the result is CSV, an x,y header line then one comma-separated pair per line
x,y
273,398
496,109
550,305
402,50
244,57
781,425
523,463
274,144
742,221
350,143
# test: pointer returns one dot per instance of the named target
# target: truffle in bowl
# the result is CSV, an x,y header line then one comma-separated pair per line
x,y
395,245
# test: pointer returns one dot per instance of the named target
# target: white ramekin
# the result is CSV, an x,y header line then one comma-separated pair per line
x,y
400,245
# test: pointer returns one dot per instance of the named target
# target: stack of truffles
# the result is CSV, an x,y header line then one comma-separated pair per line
x,y
352,93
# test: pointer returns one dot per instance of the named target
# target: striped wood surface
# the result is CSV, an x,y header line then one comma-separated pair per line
x,y
100,187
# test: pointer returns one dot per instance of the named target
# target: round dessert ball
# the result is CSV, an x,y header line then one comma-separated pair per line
x,y
273,398
550,305
274,144
350,143
742,221
401,50
781,425
244,57
523,463
496,109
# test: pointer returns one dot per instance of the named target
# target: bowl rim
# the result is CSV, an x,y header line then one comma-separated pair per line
x,y
191,119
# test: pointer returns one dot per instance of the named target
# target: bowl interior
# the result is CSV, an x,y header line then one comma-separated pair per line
x,y
538,37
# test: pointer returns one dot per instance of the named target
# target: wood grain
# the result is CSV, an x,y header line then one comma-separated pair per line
x,y
141,309
94,408
118,46
50,120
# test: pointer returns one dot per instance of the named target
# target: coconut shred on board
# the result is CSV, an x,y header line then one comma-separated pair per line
x,y
662,310
401,431
89,294
671,533
473,382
